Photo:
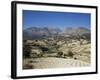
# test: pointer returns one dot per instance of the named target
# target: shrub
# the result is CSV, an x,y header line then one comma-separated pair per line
x,y
28,66
44,49
40,55
65,54
70,53
26,50
59,54
33,55
75,58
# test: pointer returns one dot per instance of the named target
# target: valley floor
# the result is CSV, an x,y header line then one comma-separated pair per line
x,y
52,62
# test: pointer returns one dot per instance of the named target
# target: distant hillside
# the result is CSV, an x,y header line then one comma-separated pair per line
x,y
44,32
39,33
76,31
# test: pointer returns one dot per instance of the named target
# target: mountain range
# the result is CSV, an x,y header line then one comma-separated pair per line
x,y
45,32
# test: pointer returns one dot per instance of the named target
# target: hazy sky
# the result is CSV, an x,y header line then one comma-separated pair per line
x,y
55,19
